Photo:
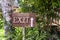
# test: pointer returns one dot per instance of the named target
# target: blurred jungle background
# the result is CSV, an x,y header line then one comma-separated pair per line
x,y
47,20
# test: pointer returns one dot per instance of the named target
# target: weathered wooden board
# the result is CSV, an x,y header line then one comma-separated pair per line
x,y
23,19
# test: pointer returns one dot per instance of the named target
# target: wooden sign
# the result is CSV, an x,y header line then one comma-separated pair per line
x,y
23,19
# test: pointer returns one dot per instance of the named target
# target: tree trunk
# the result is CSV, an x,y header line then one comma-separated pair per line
x,y
6,9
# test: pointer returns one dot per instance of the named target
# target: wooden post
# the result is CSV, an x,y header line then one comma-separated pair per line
x,y
23,33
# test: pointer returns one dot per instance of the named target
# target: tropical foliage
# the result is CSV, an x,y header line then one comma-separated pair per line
x,y
44,10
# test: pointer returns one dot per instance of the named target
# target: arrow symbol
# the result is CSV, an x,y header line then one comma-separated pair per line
x,y
32,21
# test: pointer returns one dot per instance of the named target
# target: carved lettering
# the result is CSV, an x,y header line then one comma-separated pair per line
x,y
15,20
27,18
20,19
